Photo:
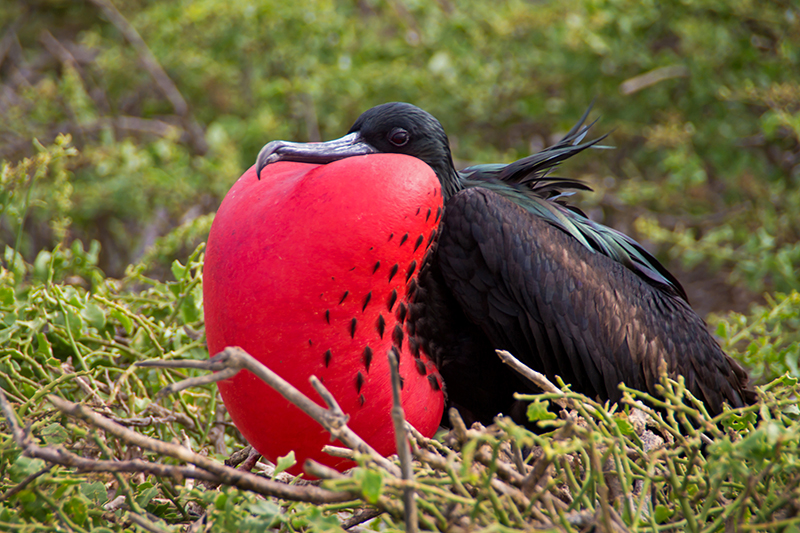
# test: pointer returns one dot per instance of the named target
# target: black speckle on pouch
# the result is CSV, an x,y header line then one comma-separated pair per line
x,y
367,357
381,325
412,267
419,242
367,298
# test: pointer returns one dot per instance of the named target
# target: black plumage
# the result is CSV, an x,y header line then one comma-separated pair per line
x,y
517,268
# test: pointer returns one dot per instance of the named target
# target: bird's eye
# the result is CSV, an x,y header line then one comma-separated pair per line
x,y
398,137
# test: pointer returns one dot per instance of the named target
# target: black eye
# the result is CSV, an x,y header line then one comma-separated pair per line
x,y
398,137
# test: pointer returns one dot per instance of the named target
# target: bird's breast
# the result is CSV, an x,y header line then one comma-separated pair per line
x,y
310,269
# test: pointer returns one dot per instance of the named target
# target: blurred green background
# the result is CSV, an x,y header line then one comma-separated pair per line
x,y
167,103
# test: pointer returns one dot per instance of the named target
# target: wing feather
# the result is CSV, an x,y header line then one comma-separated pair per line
x,y
536,291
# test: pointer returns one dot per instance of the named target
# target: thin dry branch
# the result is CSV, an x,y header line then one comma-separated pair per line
x,y
24,483
226,474
403,448
540,380
231,360
208,469
527,372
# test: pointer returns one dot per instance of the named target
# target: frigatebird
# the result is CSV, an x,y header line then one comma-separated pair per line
x,y
517,268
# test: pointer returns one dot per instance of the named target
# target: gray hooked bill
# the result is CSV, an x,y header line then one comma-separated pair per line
x,y
320,153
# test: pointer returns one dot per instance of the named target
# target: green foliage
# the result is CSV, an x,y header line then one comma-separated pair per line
x,y
702,96
768,339
37,191
700,475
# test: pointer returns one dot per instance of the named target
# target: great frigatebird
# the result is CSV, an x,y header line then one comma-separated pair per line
x,y
516,268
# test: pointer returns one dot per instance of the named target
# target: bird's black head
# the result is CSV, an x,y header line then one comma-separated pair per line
x,y
395,127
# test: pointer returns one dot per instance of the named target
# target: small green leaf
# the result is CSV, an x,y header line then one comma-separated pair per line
x,y
537,410
7,333
287,461
178,270
175,288
23,467
662,513
72,319
94,316
44,349
372,485
41,265
124,320
189,311
221,500
96,492
625,427
6,296
140,404
146,493
55,434
76,509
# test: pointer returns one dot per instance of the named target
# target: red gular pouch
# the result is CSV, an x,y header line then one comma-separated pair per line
x,y
310,270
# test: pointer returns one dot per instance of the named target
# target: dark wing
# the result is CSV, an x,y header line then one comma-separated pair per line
x,y
528,183
565,310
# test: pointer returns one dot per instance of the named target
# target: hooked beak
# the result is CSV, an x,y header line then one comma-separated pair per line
x,y
320,153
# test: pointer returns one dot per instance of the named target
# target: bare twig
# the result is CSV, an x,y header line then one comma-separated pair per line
x,y
24,483
338,451
527,372
642,81
239,457
458,425
163,81
403,448
227,475
211,470
540,380
233,359
319,470
250,461
361,516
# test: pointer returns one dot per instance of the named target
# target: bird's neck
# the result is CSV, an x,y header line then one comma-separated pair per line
x,y
451,182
